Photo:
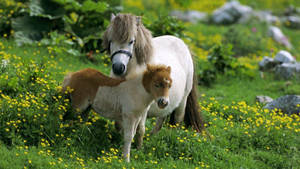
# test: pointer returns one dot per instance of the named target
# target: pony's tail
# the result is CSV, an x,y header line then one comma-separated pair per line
x,y
193,116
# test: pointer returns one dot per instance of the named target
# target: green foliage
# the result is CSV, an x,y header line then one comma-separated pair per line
x,y
33,133
46,9
244,41
166,25
243,135
85,20
33,106
183,3
222,58
9,9
31,28
60,44
221,61
40,18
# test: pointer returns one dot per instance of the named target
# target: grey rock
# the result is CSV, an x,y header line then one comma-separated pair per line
x,y
288,104
291,10
267,63
230,13
288,71
284,57
190,16
266,16
293,22
263,99
279,37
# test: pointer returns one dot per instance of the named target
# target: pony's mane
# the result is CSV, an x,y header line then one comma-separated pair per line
x,y
125,26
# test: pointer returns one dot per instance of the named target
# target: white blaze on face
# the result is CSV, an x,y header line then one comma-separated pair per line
x,y
167,81
120,60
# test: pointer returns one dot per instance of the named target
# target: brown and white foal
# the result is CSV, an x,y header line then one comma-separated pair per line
x,y
125,100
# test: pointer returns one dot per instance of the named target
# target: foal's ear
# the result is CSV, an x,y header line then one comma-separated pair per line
x,y
138,20
112,17
169,69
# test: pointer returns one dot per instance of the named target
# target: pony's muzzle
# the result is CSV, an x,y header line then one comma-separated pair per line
x,y
119,63
162,102
118,68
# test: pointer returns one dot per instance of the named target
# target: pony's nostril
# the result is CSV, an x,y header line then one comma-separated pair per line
x,y
118,68
162,103
122,68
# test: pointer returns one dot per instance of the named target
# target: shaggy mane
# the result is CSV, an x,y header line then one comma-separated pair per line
x,y
126,26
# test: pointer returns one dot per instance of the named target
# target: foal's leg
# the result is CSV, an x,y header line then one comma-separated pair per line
x,y
158,125
141,131
128,125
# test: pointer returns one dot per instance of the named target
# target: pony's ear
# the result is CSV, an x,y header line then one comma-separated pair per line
x,y
138,20
169,69
112,17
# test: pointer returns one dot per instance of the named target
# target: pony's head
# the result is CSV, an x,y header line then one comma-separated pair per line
x,y
157,81
128,42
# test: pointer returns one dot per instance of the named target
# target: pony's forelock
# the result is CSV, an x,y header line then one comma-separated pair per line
x,y
123,28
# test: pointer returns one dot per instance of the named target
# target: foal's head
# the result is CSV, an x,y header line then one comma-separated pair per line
x,y
157,81
128,42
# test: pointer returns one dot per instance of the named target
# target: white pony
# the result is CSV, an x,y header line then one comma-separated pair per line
x,y
131,46
126,101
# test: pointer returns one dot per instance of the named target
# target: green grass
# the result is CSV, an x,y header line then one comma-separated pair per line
x,y
231,89
243,134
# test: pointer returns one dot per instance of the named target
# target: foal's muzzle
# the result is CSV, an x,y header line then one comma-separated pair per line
x,y
162,102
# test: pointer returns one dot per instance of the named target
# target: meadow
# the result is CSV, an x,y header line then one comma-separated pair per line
x,y
33,133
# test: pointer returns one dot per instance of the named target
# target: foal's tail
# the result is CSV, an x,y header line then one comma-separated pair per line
x,y
193,116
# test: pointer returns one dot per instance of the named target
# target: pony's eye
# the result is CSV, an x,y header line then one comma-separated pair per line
x,y
157,85
131,42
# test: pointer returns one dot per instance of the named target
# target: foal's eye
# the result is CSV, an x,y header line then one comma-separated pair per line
x,y
131,42
157,85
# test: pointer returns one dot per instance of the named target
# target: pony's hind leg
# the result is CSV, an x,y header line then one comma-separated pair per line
x,y
179,112
158,125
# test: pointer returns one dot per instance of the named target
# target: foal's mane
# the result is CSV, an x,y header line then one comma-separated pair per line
x,y
125,26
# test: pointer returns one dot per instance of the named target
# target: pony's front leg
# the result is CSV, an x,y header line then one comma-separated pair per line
x,y
128,125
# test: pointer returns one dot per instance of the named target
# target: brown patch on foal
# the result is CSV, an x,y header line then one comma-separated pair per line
x,y
157,76
85,84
